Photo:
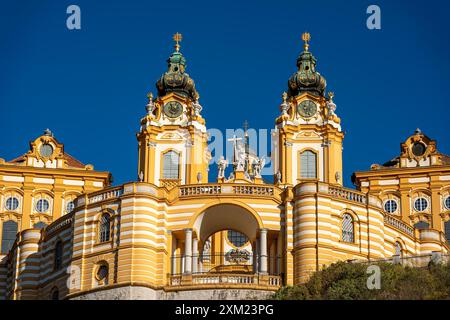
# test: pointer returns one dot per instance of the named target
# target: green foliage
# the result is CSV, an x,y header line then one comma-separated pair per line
x,y
348,281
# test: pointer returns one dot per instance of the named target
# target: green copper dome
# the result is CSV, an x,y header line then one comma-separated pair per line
x,y
306,79
175,79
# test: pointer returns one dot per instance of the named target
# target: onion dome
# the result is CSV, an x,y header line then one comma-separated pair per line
x,y
306,79
175,79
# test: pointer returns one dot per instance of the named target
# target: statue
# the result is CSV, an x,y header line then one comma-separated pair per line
x,y
278,175
150,105
221,166
197,107
240,158
206,254
258,165
331,106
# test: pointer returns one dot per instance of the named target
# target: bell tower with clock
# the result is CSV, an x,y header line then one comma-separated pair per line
x,y
172,141
308,131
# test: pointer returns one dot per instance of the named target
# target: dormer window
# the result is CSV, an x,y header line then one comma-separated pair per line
x,y
46,150
418,149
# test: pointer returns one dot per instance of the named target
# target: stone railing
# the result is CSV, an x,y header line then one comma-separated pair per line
x,y
398,224
347,194
170,183
226,189
217,279
105,194
59,223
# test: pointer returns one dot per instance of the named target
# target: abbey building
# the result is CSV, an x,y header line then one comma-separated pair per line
x,y
173,234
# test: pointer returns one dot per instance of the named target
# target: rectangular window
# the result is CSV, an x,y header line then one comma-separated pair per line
x,y
308,165
9,233
171,165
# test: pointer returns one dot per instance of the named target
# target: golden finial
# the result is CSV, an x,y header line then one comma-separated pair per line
x,y
177,37
306,37
150,96
284,96
331,95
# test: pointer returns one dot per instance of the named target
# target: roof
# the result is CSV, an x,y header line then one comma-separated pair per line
x,y
71,161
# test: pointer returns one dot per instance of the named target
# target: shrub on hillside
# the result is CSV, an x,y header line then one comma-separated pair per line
x,y
348,281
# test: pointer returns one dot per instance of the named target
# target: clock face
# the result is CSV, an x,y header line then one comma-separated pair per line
x,y
173,109
307,109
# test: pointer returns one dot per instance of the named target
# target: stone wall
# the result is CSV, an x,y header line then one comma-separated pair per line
x,y
143,293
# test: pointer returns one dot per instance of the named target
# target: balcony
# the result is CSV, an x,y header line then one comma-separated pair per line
x,y
226,189
218,280
234,269
399,225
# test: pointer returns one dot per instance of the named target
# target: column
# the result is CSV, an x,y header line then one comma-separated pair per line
x,y
263,251
188,251
255,256
195,255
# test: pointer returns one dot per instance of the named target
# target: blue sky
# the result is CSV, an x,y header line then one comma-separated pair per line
x,y
89,86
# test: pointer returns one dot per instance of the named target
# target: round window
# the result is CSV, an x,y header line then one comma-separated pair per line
x,y
42,205
390,206
102,272
46,150
447,203
70,206
418,149
12,203
237,239
421,204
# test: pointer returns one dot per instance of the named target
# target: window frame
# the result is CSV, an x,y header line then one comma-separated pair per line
x,y
390,201
67,206
42,200
9,240
420,198
178,166
12,198
316,164
345,232
104,234
447,205
236,235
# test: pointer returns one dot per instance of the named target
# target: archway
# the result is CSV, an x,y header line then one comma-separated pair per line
x,y
223,221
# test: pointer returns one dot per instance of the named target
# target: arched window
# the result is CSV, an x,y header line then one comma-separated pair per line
x,y
55,294
102,274
58,255
42,205
237,239
171,165
348,229
390,206
447,230
9,233
12,203
39,225
398,249
308,164
105,228
70,206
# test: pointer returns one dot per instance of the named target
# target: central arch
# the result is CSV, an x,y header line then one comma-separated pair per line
x,y
226,216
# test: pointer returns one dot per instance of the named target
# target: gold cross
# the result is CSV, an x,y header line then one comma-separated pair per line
x,y
177,37
306,37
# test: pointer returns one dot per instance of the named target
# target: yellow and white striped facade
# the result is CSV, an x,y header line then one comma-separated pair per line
x,y
159,227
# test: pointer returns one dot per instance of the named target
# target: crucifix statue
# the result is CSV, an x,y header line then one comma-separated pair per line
x,y
238,154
